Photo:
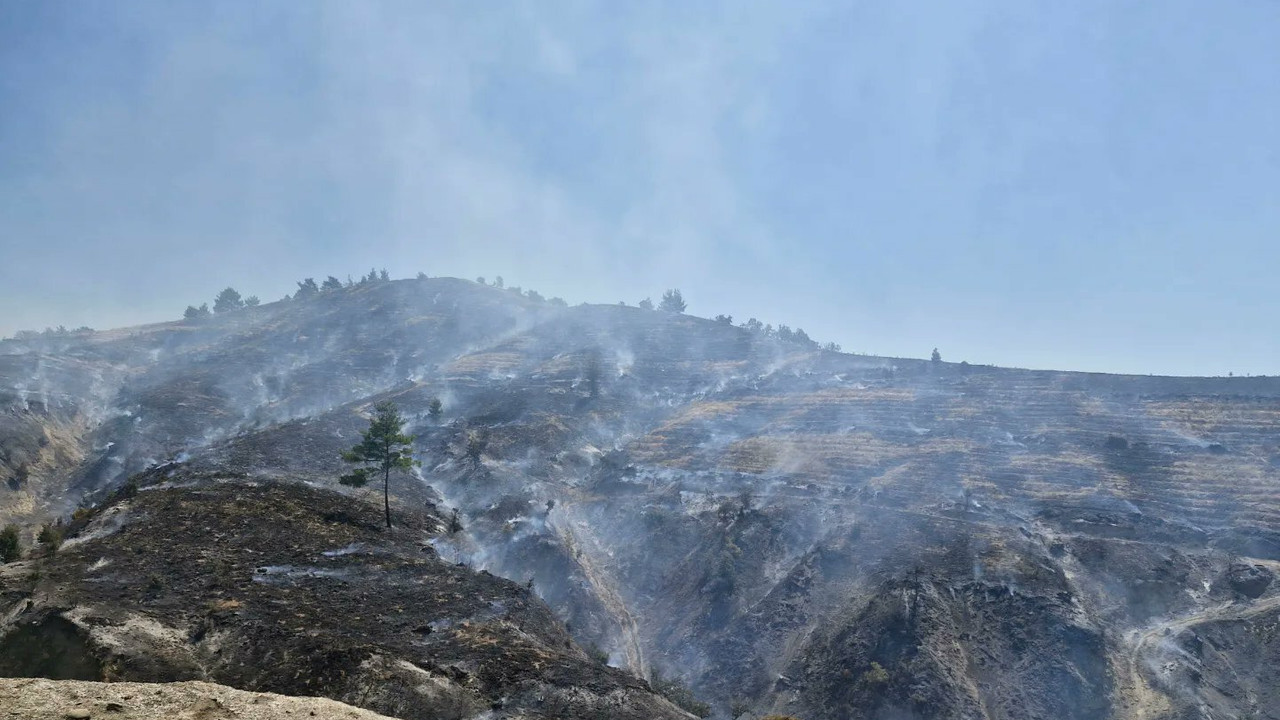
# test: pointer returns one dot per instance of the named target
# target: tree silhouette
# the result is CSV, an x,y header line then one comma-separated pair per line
x,y
10,544
477,443
227,300
306,289
672,301
383,447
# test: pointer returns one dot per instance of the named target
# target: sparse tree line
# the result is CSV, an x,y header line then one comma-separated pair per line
x,y
308,288
531,294
672,301
50,333
48,540
782,333
225,301
229,299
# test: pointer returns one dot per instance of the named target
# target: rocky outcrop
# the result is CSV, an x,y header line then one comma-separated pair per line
x,y
39,699
1249,580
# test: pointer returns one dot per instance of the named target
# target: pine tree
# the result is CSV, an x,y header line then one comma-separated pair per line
x,y
383,447
10,544
227,300
306,289
672,301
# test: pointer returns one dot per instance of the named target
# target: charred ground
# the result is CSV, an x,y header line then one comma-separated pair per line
x,y
279,587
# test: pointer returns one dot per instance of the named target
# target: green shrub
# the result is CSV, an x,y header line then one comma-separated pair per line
x,y
597,655
875,676
50,537
10,544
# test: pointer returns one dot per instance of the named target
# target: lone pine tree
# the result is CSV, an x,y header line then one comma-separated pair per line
x,y
382,448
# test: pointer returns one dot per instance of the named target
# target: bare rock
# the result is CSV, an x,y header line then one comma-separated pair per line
x,y
1249,580
39,699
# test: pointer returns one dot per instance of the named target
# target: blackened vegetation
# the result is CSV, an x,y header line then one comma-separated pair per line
x,y
1135,458
278,587
48,646
675,690
920,648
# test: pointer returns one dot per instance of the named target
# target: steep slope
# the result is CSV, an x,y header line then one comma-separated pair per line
x,y
282,588
749,514
85,411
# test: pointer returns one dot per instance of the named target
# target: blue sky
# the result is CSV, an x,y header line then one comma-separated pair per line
x,y
1085,185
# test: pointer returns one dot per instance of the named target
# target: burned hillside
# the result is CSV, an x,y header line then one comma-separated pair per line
x,y
700,500
277,587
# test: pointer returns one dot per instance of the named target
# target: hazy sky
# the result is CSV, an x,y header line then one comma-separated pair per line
x,y
1077,185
